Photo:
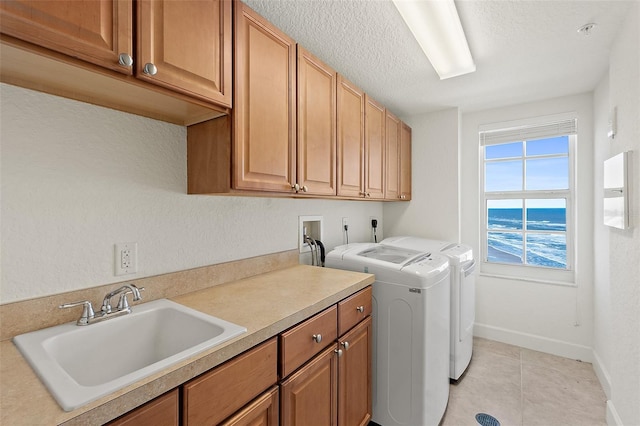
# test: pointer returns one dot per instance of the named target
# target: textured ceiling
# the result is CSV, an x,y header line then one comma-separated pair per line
x,y
524,50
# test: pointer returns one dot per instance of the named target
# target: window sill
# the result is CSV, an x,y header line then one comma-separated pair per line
x,y
530,279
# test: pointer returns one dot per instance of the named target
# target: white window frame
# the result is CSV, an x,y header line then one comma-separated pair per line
x,y
523,130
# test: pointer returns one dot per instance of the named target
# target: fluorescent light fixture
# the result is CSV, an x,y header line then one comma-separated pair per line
x,y
436,26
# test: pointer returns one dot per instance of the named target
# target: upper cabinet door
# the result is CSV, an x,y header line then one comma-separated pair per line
x,y
350,139
374,150
405,162
186,46
94,31
264,114
316,125
392,178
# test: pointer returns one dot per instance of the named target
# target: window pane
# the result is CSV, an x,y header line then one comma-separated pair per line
x,y
548,250
504,214
504,247
557,145
547,173
503,176
547,215
505,150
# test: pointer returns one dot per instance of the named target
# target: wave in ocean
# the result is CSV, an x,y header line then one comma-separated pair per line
x,y
548,250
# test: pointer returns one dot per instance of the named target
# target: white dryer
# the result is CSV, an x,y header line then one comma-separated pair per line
x,y
463,294
410,330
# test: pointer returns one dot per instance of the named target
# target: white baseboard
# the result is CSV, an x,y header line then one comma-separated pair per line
x,y
602,374
534,342
613,419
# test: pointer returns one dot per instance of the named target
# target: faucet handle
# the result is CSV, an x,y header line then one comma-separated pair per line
x,y
87,311
123,303
136,292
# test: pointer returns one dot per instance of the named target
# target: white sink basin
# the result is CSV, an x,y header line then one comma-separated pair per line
x,y
81,364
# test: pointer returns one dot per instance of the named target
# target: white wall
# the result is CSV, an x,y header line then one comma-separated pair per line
x,y
624,252
434,208
601,293
77,178
547,317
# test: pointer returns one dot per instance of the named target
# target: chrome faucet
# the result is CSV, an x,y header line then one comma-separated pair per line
x,y
90,317
123,303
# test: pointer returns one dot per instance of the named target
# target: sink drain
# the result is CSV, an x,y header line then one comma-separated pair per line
x,y
486,420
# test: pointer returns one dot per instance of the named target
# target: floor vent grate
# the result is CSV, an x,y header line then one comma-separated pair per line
x,y
486,420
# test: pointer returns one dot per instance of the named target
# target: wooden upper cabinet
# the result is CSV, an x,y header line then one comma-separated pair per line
x,y
405,162
350,134
187,44
316,125
392,178
94,31
374,149
264,114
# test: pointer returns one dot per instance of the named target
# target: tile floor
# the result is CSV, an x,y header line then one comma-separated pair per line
x,y
521,387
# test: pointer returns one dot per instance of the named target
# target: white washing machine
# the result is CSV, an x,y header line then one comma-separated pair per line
x,y
463,294
410,330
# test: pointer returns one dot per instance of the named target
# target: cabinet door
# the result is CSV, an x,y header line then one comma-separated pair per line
x,y
264,141
405,163
215,395
354,372
263,411
392,149
189,43
94,31
309,396
350,139
162,411
374,133
316,125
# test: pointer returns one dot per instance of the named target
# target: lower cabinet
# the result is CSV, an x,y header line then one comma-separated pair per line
x,y
214,396
333,385
263,411
315,373
354,375
162,411
309,396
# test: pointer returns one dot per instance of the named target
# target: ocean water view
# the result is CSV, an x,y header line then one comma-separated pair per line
x,y
542,248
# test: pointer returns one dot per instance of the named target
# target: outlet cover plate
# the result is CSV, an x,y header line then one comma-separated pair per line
x,y
126,258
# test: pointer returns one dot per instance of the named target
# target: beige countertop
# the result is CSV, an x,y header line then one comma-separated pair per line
x,y
265,304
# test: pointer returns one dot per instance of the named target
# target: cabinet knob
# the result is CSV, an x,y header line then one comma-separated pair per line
x,y
295,187
345,345
125,60
364,194
317,338
360,309
339,352
150,69
305,189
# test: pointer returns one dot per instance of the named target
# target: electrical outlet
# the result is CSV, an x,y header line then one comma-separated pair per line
x,y
345,222
126,258
377,221
374,224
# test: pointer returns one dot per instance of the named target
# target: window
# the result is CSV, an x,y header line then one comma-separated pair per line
x,y
527,198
